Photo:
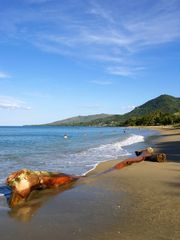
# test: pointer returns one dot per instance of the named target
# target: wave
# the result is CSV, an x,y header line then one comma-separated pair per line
x,y
131,140
113,148
79,162
89,158
111,151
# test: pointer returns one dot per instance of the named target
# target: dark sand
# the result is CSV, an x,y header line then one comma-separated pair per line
x,y
141,201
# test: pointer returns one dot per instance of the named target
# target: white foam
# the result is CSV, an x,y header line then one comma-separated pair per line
x,y
112,149
108,151
131,140
95,165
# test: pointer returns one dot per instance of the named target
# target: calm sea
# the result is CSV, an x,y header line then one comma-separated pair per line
x,y
73,150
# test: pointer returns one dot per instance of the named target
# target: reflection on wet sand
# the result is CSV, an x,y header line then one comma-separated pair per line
x,y
37,199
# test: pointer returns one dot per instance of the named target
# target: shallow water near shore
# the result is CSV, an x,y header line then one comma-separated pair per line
x,y
136,203
73,150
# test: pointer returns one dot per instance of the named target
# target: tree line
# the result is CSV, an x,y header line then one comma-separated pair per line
x,y
154,119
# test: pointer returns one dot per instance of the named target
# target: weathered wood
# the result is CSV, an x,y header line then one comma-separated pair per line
x,y
132,160
149,150
161,157
23,182
158,157
155,157
142,155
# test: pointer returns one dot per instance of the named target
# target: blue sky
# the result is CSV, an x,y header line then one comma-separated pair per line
x,y
61,58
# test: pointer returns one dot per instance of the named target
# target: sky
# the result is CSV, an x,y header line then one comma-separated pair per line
x,y
63,58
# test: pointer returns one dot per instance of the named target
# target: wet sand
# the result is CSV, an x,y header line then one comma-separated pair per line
x,y
138,202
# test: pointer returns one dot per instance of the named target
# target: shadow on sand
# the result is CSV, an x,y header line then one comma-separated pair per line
x,y
173,154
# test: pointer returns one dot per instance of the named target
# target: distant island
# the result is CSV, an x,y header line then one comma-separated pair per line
x,y
163,110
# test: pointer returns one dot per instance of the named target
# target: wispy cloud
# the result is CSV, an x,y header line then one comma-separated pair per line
x,y
125,71
127,108
99,11
12,103
109,33
99,82
4,75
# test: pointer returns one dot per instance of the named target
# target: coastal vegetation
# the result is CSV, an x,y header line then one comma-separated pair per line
x,y
163,110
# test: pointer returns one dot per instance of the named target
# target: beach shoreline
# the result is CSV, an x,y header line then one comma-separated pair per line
x,y
138,202
154,189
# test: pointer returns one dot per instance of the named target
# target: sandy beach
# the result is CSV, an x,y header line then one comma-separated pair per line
x,y
138,202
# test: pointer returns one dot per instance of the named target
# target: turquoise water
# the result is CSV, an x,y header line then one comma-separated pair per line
x,y
46,148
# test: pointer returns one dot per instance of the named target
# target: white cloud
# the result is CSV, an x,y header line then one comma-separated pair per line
x,y
102,31
99,82
124,70
4,75
128,108
12,103
106,58
99,11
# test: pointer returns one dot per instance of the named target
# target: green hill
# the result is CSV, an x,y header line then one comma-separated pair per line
x,y
79,120
163,103
164,109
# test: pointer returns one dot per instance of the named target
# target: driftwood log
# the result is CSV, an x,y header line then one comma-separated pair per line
x,y
142,155
159,157
23,182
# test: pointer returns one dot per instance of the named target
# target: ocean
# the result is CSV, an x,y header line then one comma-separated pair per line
x,y
73,150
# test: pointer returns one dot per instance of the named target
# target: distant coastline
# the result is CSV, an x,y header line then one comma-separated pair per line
x,y
163,110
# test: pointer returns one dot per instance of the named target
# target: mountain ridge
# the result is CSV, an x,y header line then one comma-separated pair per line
x,y
79,119
162,106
